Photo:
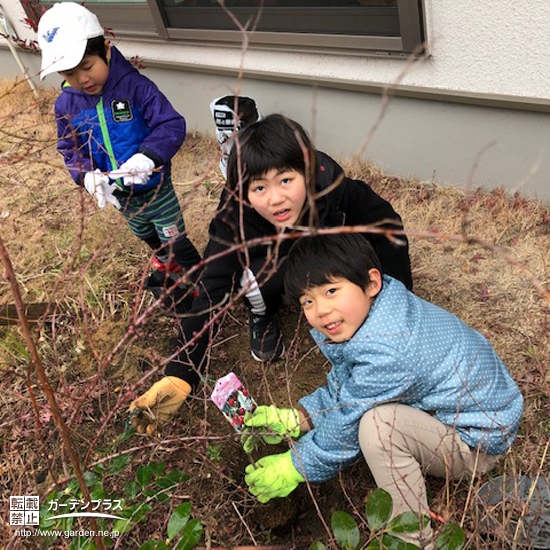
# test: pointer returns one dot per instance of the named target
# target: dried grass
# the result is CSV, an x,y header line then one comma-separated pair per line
x,y
67,252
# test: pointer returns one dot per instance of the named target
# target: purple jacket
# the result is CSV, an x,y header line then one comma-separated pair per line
x,y
130,116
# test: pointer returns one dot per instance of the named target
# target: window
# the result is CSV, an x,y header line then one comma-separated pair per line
x,y
382,27
128,18
357,27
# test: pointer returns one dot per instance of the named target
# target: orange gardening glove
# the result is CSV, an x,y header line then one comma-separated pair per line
x,y
158,404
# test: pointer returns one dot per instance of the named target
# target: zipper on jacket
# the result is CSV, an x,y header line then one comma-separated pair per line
x,y
107,141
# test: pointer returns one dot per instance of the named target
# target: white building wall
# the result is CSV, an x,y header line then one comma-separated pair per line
x,y
495,49
480,46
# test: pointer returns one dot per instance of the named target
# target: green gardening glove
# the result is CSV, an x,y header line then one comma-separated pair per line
x,y
271,425
272,476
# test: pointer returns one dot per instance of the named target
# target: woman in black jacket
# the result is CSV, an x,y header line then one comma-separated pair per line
x,y
277,183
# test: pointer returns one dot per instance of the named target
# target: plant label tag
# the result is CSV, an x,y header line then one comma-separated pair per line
x,y
232,398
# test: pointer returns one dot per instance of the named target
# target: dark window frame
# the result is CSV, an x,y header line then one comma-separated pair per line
x,y
408,38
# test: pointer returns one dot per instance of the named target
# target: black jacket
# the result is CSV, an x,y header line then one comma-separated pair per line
x,y
349,202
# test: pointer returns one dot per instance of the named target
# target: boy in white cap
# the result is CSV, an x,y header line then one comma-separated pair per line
x,y
116,131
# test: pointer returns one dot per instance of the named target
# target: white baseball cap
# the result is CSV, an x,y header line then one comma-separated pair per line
x,y
63,33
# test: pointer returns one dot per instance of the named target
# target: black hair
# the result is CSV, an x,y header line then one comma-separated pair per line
x,y
275,142
97,46
316,260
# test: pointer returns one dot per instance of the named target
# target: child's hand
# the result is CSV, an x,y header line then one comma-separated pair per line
x,y
98,185
274,426
109,196
157,405
94,183
272,476
135,171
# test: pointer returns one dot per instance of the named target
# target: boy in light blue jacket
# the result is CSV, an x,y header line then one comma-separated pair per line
x,y
413,389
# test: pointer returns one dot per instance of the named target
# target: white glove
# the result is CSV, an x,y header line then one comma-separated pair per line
x,y
94,183
108,189
99,186
135,171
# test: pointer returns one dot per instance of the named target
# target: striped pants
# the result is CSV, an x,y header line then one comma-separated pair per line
x,y
155,217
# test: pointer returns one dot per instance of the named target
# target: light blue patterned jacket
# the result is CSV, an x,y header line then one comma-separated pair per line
x,y
412,352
